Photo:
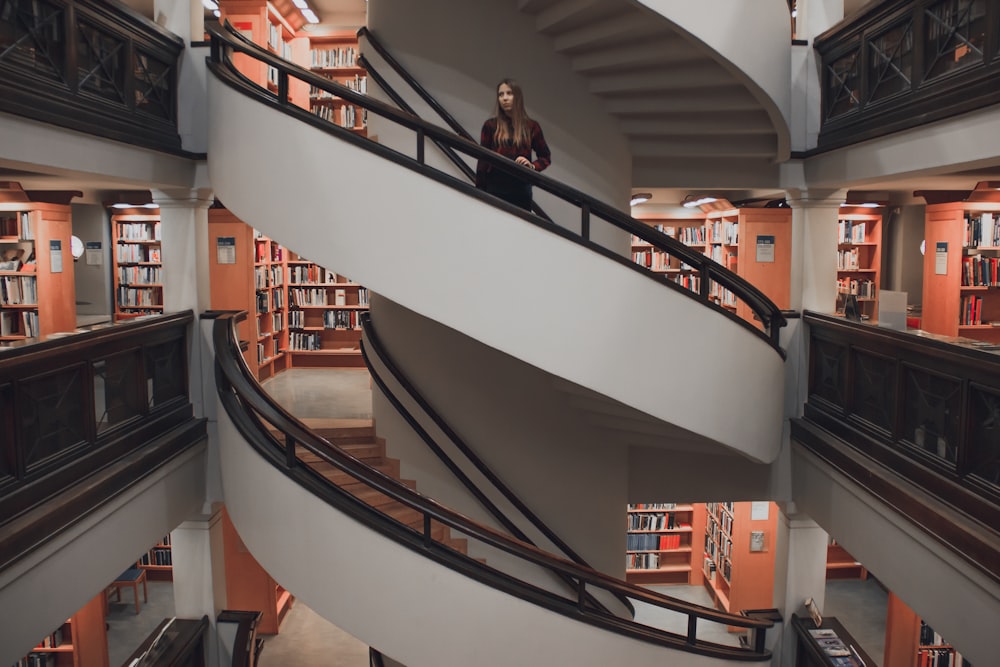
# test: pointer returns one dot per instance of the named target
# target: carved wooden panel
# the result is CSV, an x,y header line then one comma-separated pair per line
x,y
8,436
828,371
874,390
890,61
117,395
32,37
100,58
166,372
954,36
51,414
984,434
932,406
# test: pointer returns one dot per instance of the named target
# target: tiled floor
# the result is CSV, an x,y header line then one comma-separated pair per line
x,y
309,640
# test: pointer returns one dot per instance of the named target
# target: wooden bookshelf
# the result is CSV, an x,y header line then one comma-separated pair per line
x,y
661,543
37,290
738,563
82,641
689,230
158,562
324,310
248,586
910,642
755,243
842,565
859,258
335,56
248,273
266,25
137,262
956,300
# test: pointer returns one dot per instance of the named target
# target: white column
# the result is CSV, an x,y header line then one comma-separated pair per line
x,y
199,572
185,271
800,573
814,242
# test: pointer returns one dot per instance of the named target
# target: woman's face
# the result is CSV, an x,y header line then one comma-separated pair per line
x,y
505,96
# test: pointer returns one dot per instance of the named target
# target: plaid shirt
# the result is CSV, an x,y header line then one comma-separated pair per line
x,y
543,156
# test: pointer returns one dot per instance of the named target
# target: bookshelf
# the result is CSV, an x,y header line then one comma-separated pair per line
x,y
335,56
247,272
248,586
859,258
910,642
324,309
37,291
158,561
82,641
266,25
661,547
842,565
138,262
690,230
738,563
756,244
961,290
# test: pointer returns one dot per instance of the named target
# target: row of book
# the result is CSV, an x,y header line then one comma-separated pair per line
x,y
971,311
304,341
654,260
265,277
17,225
725,231
652,506
721,514
161,556
863,288
139,296
268,299
644,561
979,271
139,231
341,319
37,660
18,290
654,521
133,253
711,566
723,295
139,275
981,230
934,651
310,274
277,42
357,83
19,323
651,542
849,259
343,56
265,253
851,231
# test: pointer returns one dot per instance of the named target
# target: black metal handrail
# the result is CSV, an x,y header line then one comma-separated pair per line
x,y
470,455
765,311
429,99
255,414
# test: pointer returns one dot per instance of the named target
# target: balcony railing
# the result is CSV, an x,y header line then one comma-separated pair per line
x,y
94,66
112,401
904,63
926,409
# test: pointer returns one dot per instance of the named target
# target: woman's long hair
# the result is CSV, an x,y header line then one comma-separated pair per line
x,y
512,128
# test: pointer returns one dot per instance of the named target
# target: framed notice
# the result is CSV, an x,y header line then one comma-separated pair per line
x,y
765,248
225,250
55,256
94,253
941,258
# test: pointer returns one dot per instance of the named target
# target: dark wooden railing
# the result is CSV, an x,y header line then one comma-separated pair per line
x,y
904,63
226,40
256,416
111,402
95,66
927,409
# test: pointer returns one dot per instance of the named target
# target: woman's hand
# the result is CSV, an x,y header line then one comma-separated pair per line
x,y
524,162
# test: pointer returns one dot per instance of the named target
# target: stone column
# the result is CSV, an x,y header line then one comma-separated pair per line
x,y
199,571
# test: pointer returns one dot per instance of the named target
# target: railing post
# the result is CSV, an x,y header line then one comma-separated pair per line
x,y
581,594
428,540
706,277
585,222
692,636
282,88
420,145
289,451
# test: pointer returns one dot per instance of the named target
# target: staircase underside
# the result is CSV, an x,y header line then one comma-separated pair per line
x,y
691,117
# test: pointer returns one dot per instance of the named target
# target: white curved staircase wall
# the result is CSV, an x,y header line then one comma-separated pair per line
x,y
405,605
494,277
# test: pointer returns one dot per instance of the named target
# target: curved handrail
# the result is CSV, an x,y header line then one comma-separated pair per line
x,y
252,411
429,99
769,315
379,349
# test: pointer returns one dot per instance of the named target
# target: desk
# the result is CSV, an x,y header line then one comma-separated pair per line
x,y
810,651
131,578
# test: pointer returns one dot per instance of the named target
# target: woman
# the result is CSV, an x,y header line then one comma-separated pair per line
x,y
512,134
